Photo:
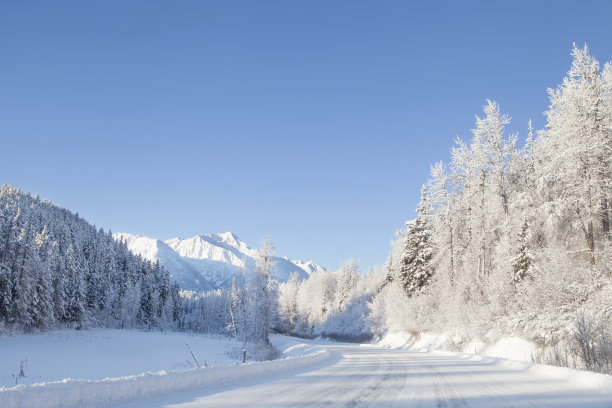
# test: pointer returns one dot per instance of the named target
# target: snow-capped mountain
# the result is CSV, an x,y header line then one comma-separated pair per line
x,y
154,249
209,261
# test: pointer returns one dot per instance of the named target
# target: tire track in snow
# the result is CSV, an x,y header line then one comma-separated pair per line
x,y
359,377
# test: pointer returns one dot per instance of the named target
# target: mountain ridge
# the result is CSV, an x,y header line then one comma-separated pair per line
x,y
209,261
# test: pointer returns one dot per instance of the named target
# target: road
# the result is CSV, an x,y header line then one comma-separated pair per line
x,y
367,376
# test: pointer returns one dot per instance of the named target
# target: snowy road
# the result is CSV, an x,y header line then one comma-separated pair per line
x,y
358,376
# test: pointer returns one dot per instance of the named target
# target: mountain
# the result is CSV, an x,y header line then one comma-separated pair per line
x,y
209,261
152,249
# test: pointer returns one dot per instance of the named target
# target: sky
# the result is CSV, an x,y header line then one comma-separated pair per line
x,y
313,123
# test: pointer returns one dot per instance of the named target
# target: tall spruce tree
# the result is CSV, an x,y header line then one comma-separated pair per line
x,y
416,268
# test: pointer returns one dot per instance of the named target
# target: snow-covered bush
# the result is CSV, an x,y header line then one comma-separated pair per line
x,y
591,344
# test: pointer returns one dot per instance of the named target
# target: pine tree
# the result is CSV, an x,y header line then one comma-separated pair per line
x,y
43,307
416,269
75,291
24,293
522,263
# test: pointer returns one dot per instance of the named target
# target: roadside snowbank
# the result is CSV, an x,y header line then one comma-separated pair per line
x,y
96,393
513,353
512,348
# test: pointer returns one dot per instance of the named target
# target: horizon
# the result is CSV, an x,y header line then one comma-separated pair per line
x,y
313,124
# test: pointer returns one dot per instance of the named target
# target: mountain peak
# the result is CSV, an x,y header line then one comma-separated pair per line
x,y
226,237
216,258
229,236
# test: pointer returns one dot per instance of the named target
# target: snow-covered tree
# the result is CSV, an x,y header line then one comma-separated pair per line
x,y
346,280
443,221
523,261
416,268
239,310
288,303
262,294
575,151
57,269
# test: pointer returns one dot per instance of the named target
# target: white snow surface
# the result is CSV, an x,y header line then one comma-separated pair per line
x,y
100,367
152,249
100,353
374,376
209,261
511,348
313,373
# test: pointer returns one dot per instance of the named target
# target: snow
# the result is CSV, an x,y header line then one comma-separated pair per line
x,y
209,261
101,353
135,370
372,376
100,367
309,266
509,352
151,249
511,348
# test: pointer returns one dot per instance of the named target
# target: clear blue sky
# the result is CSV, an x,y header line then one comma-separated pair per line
x,y
314,123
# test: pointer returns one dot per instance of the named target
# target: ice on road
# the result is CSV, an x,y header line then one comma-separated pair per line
x,y
358,376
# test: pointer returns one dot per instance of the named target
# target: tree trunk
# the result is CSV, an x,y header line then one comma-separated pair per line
x,y
590,216
605,218
591,243
452,258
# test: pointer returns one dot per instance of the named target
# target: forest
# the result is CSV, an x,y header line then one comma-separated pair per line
x,y
511,238
57,270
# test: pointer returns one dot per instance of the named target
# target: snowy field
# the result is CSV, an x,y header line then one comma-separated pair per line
x,y
103,353
95,368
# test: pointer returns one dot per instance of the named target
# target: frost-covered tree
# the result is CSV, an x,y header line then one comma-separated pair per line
x,y
58,270
416,267
347,278
261,316
443,220
239,310
523,261
75,290
575,150
288,303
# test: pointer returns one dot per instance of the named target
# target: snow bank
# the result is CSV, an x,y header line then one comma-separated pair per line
x,y
511,352
97,393
512,348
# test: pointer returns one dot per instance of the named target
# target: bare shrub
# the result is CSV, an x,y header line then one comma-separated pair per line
x,y
591,344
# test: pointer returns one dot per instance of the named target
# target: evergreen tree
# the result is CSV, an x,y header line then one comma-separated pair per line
x,y
24,293
75,291
57,268
521,266
416,269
